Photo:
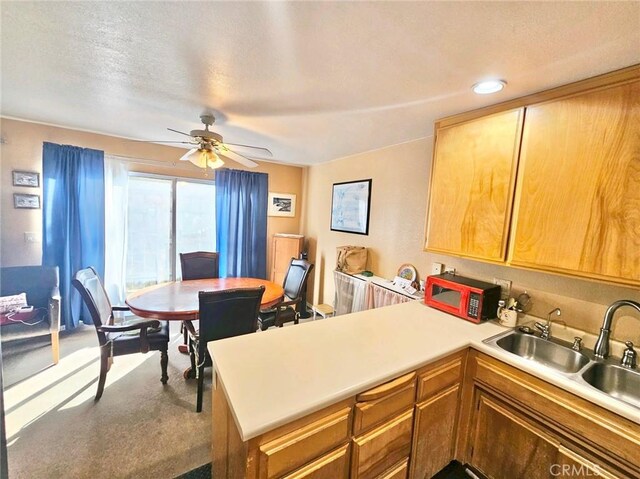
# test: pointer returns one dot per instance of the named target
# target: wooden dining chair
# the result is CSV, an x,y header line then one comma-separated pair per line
x,y
137,335
287,309
223,314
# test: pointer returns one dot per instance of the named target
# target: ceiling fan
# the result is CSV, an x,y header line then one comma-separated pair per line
x,y
208,147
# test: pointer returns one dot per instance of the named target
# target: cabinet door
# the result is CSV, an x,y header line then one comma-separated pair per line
x,y
505,443
334,465
577,207
399,471
472,186
376,451
434,433
571,464
284,248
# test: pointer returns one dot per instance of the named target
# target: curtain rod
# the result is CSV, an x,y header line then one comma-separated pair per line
x,y
143,161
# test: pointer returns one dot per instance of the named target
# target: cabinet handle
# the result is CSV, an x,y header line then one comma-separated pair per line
x,y
386,388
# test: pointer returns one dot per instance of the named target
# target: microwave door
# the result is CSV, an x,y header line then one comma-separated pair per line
x,y
448,299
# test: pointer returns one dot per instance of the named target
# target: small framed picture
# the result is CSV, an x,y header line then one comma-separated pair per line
x,y
22,200
26,178
282,204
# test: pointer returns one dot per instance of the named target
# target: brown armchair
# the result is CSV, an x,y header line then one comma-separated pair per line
x,y
288,309
223,314
41,283
117,340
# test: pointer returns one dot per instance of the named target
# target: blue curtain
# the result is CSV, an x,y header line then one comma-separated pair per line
x,y
72,219
241,223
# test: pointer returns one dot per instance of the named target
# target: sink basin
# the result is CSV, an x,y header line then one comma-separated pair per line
x,y
556,356
616,381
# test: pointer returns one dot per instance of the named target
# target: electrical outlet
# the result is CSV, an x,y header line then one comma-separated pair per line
x,y
450,270
436,268
30,237
505,287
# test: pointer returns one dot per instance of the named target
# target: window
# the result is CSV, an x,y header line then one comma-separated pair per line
x,y
166,216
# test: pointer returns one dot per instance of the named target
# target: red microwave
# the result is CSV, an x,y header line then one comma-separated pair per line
x,y
466,298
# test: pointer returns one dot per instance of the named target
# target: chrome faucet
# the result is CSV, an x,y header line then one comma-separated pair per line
x,y
601,349
545,329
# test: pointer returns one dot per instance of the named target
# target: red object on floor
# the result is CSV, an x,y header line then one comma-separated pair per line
x,y
29,317
183,349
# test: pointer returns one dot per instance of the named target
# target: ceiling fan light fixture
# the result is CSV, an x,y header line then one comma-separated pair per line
x,y
203,158
488,86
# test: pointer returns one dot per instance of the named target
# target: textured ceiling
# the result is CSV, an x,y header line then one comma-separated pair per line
x,y
311,81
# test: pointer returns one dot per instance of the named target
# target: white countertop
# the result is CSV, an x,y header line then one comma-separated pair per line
x,y
274,377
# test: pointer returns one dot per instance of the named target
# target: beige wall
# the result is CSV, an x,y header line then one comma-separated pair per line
x,y
22,150
400,177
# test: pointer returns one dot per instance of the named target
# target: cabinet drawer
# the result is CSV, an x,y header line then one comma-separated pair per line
x,y
378,450
286,453
399,471
388,400
334,465
440,376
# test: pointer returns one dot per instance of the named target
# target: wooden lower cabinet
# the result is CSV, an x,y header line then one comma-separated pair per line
x,y
376,451
398,471
434,433
334,465
514,425
504,441
469,406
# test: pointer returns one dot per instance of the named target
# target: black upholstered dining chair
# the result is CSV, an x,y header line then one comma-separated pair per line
x,y
197,265
223,314
137,335
287,309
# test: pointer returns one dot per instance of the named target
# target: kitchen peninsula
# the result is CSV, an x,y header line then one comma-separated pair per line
x,y
399,392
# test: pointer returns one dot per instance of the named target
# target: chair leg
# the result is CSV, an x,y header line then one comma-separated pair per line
x,y
164,361
104,368
55,346
185,333
200,387
192,358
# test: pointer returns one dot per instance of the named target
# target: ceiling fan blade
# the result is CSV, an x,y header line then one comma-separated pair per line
x,y
185,157
153,141
267,151
232,155
181,132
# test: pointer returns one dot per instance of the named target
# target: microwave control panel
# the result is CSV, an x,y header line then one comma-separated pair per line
x,y
474,305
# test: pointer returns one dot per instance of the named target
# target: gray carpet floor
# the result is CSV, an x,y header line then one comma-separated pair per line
x,y
139,429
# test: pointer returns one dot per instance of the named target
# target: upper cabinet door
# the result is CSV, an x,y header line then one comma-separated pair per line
x,y
577,207
472,186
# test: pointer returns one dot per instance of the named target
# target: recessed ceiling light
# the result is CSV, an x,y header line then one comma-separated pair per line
x,y
488,86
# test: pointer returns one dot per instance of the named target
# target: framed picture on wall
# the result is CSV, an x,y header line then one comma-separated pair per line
x,y
22,200
282,204
350,205
26,178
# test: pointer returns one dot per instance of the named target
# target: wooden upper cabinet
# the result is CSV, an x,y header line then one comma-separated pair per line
x,y
577,207
472,185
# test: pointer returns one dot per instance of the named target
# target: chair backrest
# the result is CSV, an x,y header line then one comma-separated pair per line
x,y
37,281
87,282
199,265
296,278
228,313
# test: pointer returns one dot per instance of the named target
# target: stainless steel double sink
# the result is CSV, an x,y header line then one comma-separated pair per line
x,y
579,366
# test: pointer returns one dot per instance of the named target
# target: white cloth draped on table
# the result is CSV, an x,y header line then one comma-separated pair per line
x,y
350,294
379,296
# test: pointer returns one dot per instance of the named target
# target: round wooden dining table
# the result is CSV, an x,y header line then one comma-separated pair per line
x,y
178,300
